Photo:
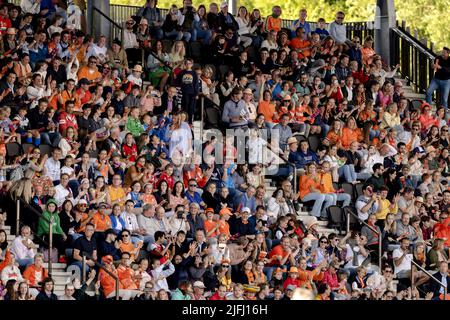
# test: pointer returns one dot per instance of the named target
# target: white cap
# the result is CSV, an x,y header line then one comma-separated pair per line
x,y
246,209
199,284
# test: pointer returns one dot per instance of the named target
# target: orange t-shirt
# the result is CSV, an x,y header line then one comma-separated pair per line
x,y
334,138
85,72
267,108
327,183
107,282
31,274
101,222
273,23
126,277
297,44
210,225
224,228
277,251
349,136
306,183
128,247
305,277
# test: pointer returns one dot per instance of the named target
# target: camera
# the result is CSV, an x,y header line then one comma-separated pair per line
x,y
180,214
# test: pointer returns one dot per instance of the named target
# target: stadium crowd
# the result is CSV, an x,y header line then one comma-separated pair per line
x,y
96,142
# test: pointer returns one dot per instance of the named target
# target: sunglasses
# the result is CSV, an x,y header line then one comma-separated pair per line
x,y
388,271
192,185
225,266
125,236
323,241
444,130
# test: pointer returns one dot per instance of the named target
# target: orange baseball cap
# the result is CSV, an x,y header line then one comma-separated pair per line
x,y
209,210
225,211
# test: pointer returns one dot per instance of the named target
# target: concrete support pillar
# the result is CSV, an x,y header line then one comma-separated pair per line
x,y
96,23
232,7
385,18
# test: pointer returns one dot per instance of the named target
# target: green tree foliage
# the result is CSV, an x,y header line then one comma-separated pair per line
x,y
430,17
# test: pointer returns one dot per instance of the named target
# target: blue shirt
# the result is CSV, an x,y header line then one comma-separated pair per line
x,y
195,198
307,157
305,26
249,203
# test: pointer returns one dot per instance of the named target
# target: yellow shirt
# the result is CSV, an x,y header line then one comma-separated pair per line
x,y
383,209
116,194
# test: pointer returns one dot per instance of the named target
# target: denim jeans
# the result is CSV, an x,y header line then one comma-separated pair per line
x,y
319,199
348,172
443,86
156,32
344,197
205,35
51,138
178,35
25,262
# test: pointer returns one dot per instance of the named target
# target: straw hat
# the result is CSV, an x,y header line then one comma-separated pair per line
x,y
291,140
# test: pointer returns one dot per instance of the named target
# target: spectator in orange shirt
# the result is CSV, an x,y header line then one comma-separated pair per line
x,y
126,275
266,107
35,273
224,227
310,185
274,21
327,186
301,44
351,133
108,283
211,225
101,219
307,276
282,253
90,71
334,136
127,246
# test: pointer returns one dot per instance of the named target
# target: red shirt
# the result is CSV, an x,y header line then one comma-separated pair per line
x,y
84,97
5,23
67,120
277,251
130,152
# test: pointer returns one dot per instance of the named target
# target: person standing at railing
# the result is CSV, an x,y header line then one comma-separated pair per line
x,y
441,78
338,31
189,89
153,15
301,23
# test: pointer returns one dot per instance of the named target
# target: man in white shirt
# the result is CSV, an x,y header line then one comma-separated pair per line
x,y
145,221
367,203
99,50
23,247
62,190
402,263
337,29
131,222
52,166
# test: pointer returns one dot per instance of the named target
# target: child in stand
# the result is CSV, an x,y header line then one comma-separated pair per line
x,y
70,171
189,84
321,29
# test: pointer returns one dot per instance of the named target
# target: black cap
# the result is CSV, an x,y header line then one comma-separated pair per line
x,y
447,49
117,41
84,81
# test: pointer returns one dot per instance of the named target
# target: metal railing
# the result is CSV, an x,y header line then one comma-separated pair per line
x,y
84,254
50,225
416,265
380,243
415,59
